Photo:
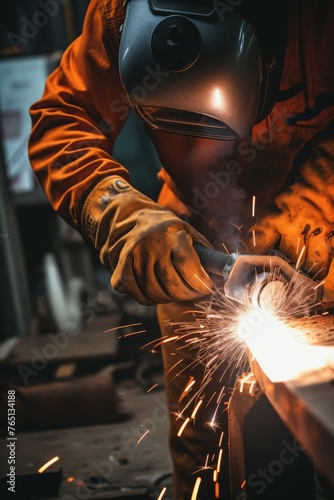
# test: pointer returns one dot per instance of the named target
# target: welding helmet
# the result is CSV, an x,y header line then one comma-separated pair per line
x,y
203,68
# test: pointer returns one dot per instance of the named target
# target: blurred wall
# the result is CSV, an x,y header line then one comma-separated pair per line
x,y
31,30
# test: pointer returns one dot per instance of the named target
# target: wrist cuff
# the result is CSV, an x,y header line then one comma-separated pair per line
x,y
97,202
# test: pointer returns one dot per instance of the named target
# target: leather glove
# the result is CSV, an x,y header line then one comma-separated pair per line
x,y
146,247
301,220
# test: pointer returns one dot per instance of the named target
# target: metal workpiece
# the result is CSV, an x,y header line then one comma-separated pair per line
x,y
289,388
306,406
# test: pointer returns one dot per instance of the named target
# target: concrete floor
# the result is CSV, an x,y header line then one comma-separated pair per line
x,y
121,450
109,458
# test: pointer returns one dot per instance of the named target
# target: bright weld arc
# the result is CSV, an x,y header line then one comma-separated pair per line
x,y
218,321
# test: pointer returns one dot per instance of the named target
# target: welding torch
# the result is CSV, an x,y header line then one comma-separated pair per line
x,y
258,279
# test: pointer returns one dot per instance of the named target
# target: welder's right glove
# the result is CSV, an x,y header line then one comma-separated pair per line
x,y
301,220
146,247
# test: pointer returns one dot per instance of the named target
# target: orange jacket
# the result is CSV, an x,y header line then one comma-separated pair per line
x,y
210,182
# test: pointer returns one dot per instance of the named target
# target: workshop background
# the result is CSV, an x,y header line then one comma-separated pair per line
x,y
90,413
83,392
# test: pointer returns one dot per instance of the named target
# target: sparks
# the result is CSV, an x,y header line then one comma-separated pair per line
x,y
319,284
143,436
254,238
193,415
120,327
196,488
206,286
300,257
219,461
225,248
151,388
204,467
298,245
173,367
244,380
124,335
253,206
239,228
163,491
212,360
183,426
213,424
47,464
225,335
170,339
252,386
165,340
187,388
220,396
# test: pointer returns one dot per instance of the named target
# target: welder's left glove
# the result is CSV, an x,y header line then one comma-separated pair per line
x,y
301,220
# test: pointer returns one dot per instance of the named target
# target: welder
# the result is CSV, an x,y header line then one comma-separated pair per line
x,y
238,99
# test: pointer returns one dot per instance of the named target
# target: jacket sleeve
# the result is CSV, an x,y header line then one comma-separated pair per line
x,y
81,112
